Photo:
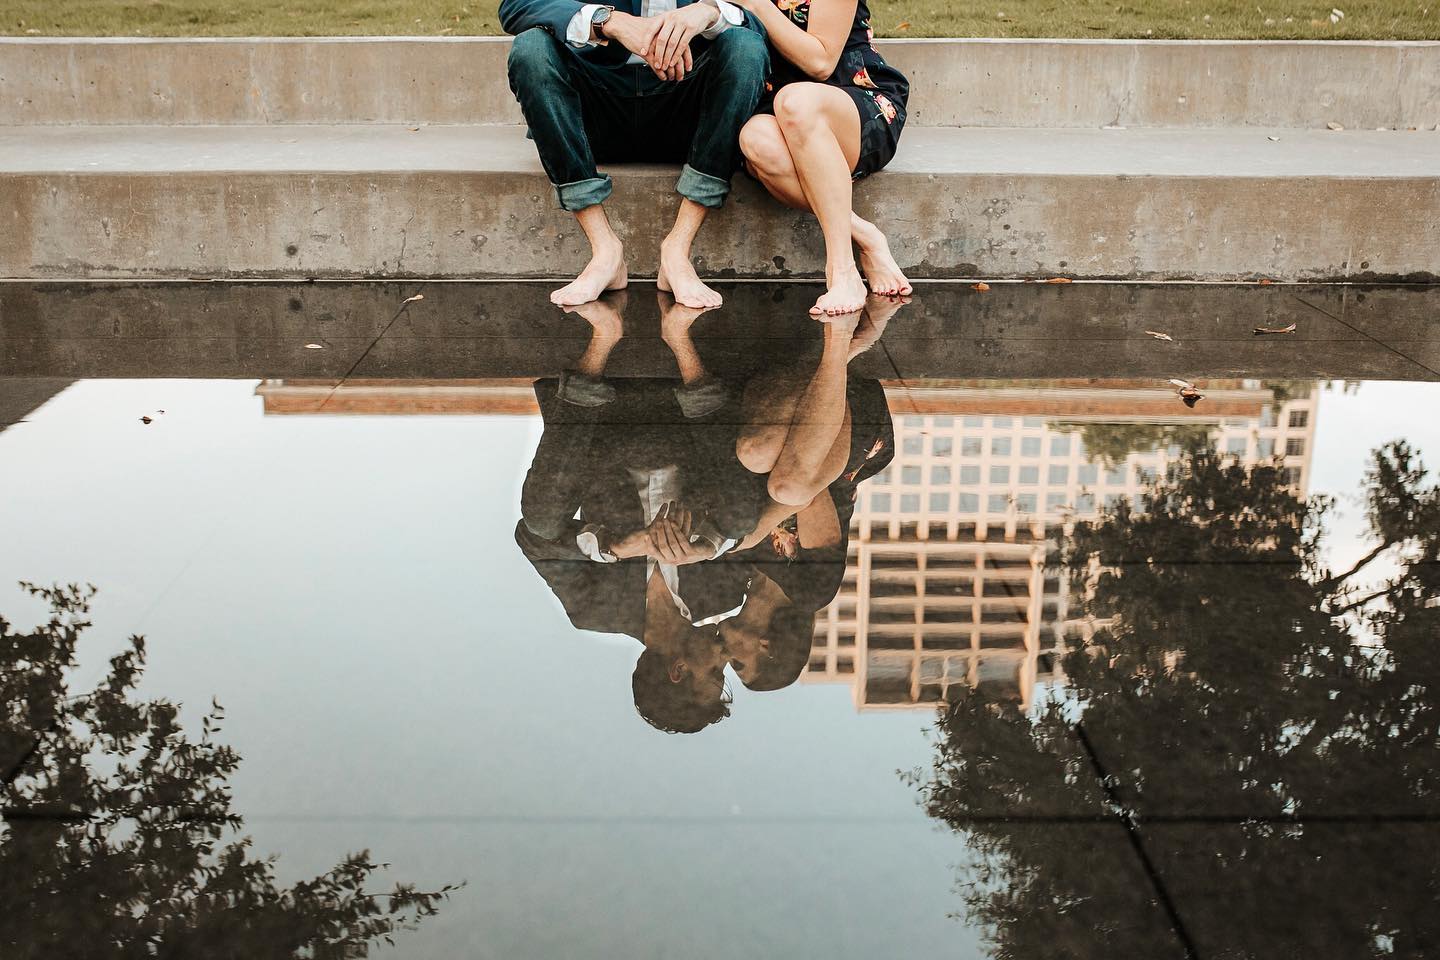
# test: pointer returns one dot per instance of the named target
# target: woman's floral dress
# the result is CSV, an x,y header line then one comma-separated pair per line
x,y
878,89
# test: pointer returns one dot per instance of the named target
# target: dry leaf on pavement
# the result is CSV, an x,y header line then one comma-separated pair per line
x,y
981,287
1160,336
1264,331
418,296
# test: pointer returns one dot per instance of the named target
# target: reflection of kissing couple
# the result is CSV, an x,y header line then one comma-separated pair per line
x,y
793,88
707,518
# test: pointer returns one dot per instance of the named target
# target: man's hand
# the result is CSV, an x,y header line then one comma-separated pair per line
x,y
633,33
670,50
670,537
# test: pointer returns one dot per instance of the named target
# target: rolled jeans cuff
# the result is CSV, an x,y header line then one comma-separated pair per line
x,y
584,193
701,398
704,189
581,390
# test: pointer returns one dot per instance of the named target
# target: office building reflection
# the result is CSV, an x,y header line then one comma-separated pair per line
x,y
948,583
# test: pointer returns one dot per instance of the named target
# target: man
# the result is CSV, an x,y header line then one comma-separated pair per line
x,y
645,80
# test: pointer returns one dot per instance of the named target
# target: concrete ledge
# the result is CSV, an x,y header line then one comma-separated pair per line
x,y
503,330
473,202
994,83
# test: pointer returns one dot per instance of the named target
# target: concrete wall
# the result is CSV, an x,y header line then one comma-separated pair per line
x,y
436,224
1026,83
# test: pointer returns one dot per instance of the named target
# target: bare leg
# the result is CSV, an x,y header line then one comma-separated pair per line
x,y
675,322
820,431
677,274
819,122
606,269
766,410
607,329
768,158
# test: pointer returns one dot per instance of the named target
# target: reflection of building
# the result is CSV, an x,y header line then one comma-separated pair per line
x,y
947,581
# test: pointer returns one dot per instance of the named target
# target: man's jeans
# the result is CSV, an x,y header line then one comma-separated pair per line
x,y
579,113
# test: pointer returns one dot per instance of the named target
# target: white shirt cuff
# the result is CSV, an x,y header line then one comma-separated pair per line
x,y
578,33
730,16
588,541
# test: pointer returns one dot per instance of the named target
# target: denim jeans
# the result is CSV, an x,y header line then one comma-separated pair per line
x,y
580,113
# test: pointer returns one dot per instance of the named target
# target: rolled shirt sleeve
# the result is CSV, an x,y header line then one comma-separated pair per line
x,y
730,16
578,33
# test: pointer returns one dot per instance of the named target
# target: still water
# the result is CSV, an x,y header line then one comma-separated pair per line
x,y
984,641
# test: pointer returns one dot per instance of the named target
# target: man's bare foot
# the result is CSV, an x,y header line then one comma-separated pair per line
x,y
605,271
881,270
677,276
845,293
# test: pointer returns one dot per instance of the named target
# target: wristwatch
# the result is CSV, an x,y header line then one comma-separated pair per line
x,y
598,19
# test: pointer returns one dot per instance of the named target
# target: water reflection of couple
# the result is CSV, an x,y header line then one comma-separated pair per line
x,y
707,518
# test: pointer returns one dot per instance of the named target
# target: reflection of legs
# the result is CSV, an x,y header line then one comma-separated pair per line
x,y
675,322
818,444
766,411
545,82
822,129
768,157
606,330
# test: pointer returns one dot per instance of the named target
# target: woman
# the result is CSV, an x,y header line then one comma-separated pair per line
x,y
836,116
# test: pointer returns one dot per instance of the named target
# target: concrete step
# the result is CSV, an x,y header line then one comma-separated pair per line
x,y
970,82
472,201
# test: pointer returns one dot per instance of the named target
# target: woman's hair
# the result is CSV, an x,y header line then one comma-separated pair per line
x,y
791,633
673,707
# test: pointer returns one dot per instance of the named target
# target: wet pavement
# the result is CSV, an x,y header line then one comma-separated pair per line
x,y
1051,621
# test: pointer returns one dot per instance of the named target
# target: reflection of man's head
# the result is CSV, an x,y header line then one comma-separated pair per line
x,y
679,680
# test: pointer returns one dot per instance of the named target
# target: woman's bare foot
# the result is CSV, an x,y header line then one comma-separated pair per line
x,y
677,277
881,270
605,271
845,293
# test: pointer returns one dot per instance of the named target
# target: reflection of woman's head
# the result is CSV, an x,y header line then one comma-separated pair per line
x,y
769,640
680,689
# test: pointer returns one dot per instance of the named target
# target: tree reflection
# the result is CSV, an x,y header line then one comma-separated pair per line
x,y
118,833
1232,681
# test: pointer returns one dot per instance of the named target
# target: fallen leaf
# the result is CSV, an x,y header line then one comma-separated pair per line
x,y
1059,280
1273,139
1332,125
314,346
418,296
414,129
1264,283
981,287
1264,331
1160,336
1337,15
146,420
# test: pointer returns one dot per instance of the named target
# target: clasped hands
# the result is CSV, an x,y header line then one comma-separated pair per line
x,y
667,538
663,42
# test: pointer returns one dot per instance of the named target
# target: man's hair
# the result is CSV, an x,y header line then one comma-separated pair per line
x,y
672,707
791,633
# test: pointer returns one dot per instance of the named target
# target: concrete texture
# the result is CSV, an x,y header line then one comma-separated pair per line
x,y
510,330
472,202
992,83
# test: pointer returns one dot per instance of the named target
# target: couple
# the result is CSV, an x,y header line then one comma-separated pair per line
x,y
695,81
707,517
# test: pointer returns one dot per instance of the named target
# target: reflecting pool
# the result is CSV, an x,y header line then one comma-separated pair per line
x,y
1100,620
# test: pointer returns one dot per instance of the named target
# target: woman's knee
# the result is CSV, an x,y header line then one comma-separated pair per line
x,y
764,146
758,451
533,55
791,490
799,106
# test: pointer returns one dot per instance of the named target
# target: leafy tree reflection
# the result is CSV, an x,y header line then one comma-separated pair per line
x,y
1281,722
114,839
